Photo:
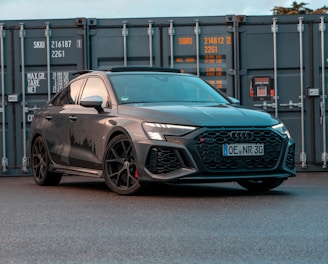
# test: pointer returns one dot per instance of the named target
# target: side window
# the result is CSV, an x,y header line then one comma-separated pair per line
x,y
69,94
95,86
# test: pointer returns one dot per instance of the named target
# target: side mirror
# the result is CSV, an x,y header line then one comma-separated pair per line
x,y
94,101
234,100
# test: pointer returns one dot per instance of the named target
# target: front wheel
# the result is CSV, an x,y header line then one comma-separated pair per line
x,y
260,185
120,170
40,164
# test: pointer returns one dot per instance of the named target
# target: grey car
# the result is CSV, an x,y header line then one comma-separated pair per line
x,y
139,125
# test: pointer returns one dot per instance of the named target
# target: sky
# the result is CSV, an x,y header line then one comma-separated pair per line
x,y
60,9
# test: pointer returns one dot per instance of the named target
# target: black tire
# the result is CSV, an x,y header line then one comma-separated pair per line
x,y
120,171
260,185
40,165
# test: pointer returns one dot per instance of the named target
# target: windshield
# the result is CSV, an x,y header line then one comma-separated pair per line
x,y
158,87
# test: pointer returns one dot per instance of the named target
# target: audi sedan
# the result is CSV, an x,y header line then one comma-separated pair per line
x,y
138,125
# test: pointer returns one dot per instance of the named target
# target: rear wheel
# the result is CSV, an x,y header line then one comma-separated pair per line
x,y
40,164
261,185
120,170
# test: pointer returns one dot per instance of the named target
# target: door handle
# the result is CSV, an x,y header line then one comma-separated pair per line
x,y
291,104
48,117
265,105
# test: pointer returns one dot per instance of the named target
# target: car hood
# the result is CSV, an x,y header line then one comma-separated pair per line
x,y
199,115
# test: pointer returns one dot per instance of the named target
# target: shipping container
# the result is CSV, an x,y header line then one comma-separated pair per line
x,y
276,64
36,59
283,70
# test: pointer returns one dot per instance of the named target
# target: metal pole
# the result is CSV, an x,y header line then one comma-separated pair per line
x,y
323,104
2,65
236,58
22,36
47,34
300,29
125,33
150,34
197,32
171,34
274,30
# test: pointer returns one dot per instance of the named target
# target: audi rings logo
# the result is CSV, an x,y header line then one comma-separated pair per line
x,y
241,135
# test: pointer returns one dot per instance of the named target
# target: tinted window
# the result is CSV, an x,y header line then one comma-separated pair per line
x,y
69,94
95,86
141,88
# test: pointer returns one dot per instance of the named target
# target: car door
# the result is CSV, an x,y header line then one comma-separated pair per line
x,y
57,122
89,128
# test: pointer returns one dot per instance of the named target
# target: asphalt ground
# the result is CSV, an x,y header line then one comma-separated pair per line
x,y
81,221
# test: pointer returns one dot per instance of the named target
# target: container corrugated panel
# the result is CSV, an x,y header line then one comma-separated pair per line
x,y
201,46
280,72
39,57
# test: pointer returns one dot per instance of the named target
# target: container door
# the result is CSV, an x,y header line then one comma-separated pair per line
x,y
41,58
123,43
203,47
278,75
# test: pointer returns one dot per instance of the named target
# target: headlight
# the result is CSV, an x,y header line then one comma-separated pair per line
x,y
158,131
282,129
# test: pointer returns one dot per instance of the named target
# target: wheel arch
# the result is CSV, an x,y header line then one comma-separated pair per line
x,y
31,142
116,132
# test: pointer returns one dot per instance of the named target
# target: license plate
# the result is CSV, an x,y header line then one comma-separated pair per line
x,y
243,150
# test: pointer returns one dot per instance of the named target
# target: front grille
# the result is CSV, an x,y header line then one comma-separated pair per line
x,y
163,160
209,145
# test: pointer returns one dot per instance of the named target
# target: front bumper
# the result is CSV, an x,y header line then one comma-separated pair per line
x,y
198,157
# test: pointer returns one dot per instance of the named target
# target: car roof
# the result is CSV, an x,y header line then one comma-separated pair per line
x,y
143,69
126,69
